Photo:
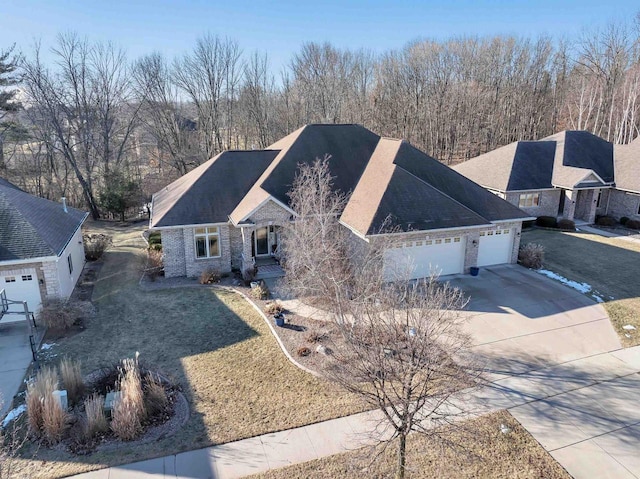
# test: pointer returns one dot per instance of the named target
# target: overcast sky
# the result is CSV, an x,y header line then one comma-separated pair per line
x,y
280,27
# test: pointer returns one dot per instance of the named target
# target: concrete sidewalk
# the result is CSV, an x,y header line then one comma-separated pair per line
x,y
608,234
595,410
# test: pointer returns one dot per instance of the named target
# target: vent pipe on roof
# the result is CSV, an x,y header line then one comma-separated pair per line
x,y
64,204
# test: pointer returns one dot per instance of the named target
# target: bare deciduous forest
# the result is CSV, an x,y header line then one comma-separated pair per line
x,y
106,131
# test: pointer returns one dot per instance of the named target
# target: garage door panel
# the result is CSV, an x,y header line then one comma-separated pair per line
x,y
22,287
495,247
420,259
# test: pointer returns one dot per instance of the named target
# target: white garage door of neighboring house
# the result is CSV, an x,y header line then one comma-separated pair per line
x,y
423,257
495,247
22,287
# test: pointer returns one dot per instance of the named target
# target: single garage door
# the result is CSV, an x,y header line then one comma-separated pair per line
x,y
22,287
424,257
495,247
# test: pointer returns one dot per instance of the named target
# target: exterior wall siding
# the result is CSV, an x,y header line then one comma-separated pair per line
x,y
548,202
622,204
67,281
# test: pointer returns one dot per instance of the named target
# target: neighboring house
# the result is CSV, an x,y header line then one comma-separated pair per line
x,y
227,213
41,250
572,174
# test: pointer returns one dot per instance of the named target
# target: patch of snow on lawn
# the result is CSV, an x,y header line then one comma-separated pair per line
x,y
597,298
46,346
582,287
14,414
628,327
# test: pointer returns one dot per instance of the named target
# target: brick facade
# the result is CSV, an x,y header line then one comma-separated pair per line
x,y
548,202
173,252
586,205
621,203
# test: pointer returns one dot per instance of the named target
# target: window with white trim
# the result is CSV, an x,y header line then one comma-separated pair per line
x,y
207,242
529,199
10,279
27,277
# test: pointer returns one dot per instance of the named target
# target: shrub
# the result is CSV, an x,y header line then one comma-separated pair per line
x,y
531,255
61,315
128,411
633,224
54,419
528,224
566,225
315,337
606,221
154,264
95,245
155,237
249,275
547,221
623,220
274,307
210,276
43,385
260,292
303,351
96,421
72,379
155,396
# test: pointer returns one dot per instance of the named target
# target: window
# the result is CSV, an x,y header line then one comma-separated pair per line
x,y
70,263
489,233
10,279
438,241
639,208
599,200
448,240
456,240
428,242
207,242
506,232
499,232
26,277
418,243
529,199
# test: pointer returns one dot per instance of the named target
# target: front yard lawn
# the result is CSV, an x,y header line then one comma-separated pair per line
x,y
610,265
237,381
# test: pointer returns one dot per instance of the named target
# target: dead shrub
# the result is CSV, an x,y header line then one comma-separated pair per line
x,y
274,307
42,386
72,379
95,244
96,420
155,265
531,255
210,276
303,351
155,397
128,411
315,337
633,224
249,275
60,315
260,292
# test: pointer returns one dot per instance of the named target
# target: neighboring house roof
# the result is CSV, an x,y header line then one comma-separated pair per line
x,y
33,227
569,159
384,178
627,163
210,192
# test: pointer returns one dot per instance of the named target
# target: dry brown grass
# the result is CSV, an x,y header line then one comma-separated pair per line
x,y
607,264
273,307
483,453
96,420
155,396
128,411
54,419
210,276
72,379
42,386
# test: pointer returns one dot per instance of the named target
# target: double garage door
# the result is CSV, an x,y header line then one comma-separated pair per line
x,y
421,258
443,256
22,287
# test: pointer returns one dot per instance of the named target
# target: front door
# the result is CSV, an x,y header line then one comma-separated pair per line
x,y
262,241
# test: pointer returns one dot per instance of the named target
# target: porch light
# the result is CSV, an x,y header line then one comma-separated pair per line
x,y
475,242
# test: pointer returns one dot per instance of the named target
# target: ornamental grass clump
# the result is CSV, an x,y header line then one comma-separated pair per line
x,y
128,410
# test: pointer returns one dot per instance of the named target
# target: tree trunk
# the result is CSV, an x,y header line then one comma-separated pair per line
x,y
402,456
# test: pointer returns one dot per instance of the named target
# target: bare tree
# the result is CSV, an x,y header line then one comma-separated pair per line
x,y
401,341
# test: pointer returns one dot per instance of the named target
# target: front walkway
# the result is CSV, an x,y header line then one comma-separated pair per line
x,y
583,412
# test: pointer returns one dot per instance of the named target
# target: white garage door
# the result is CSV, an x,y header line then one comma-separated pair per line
x,y
424,257
22,287
495,247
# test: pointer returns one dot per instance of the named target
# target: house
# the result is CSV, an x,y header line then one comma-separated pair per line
x,y
41,250
572,174
227,213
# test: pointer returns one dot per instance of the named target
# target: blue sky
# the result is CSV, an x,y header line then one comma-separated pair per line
x,y
280,27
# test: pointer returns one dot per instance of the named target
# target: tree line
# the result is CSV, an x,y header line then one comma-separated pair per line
x,y
106,131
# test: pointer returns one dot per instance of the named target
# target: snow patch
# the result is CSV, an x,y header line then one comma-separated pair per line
x,y
46,346
14,414
597,298
629,327
582,287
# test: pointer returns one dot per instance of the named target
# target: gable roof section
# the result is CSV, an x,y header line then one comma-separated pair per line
x,y
627,166
33,227
350,147
209,192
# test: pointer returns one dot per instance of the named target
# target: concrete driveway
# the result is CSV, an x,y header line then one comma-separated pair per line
x,y
557,363
15,357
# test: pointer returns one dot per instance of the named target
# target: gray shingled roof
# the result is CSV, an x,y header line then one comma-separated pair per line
x,y
627,166
209,193
32,227
563,160
385,178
